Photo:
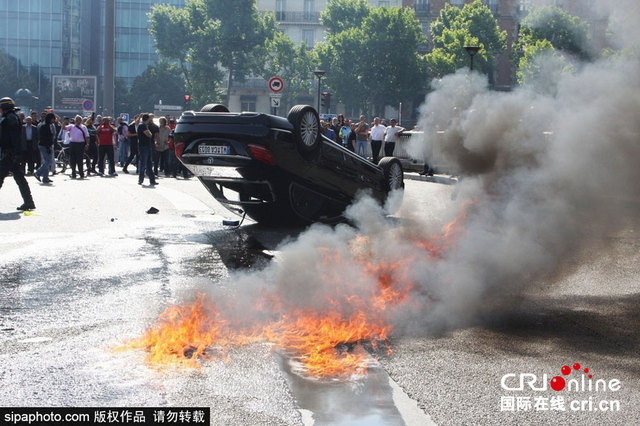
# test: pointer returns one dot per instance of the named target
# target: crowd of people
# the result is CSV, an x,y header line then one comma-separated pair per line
x,y
357,137
30,144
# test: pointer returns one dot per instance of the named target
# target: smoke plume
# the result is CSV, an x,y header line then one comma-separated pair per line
x,y
550,174
543,176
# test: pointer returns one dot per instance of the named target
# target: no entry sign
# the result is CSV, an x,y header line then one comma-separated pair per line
x,y
276,84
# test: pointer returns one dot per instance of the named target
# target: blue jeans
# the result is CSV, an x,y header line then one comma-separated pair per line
x,y
144,164
123,151
47,162
361,148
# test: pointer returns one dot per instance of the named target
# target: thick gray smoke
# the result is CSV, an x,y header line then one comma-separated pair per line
x,y
548,174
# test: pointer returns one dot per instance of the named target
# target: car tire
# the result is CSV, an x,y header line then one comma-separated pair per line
x,y
214,108
393,173
306,124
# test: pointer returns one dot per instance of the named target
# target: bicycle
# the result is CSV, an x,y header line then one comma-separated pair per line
x,y
62,158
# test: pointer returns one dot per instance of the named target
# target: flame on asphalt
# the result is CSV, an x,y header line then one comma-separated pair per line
x,y
328,342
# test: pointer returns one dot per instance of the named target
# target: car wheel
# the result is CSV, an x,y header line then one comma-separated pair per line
x,y
306,124
214,108
393,174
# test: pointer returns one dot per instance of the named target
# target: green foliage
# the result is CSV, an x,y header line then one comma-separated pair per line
x,y
565,32
294,64
471,25
340,15
209,38
159,82
375,60
540,66
548,37
16,76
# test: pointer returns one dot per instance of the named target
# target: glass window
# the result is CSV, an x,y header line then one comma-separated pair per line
x,y
247,105
308,38
281,6
309,8
12,50
56,5
56,57
492,5
56,31
45,57
12,28
457,3
383,4
36,5
23,6
422,5
23,56
34,30
45,30
23,30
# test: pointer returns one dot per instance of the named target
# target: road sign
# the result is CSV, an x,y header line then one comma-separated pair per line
x,y
87,105
275,101
276,84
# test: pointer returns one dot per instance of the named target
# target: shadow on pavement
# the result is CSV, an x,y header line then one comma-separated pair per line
x,y
584,324
10,216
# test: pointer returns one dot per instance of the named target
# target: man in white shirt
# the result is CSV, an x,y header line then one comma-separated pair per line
x,y
377,135
79,137
390,134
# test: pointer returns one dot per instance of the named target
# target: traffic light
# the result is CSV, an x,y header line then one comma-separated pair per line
x,y
325,102
187,102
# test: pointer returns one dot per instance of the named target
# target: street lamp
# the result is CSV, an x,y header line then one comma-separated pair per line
x,y
319,74
472,50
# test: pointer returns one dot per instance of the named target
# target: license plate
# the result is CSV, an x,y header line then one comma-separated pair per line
x,y
213,149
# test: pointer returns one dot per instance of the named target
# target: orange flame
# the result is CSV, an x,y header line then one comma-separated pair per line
x,y
328,341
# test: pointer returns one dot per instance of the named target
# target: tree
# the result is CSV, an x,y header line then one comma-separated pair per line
x,y
158,82
374,59
341,56
294,64
210,39
340,15
540,65
394,71
122,98
17,76
565,32
455,28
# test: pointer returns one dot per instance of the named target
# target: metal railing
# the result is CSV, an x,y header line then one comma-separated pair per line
x,y
298,17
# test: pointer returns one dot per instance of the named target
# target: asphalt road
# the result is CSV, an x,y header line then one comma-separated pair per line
x,y
90,268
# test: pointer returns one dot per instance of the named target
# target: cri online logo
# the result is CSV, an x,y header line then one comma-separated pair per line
x,y
558,383
510,381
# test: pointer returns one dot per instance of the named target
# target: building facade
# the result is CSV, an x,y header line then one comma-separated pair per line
x,y
300,20
67,36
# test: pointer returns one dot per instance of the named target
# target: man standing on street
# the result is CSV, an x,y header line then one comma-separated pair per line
x,y
377,135
46,138
79,137
390,135
30,135
362,134
12,151
145,145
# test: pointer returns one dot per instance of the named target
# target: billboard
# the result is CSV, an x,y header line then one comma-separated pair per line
x,y
74,94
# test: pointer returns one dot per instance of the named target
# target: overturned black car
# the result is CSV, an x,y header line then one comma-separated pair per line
x,y
277,170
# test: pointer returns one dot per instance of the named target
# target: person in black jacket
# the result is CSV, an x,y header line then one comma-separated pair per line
x,y
32,155
46,139
13,151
